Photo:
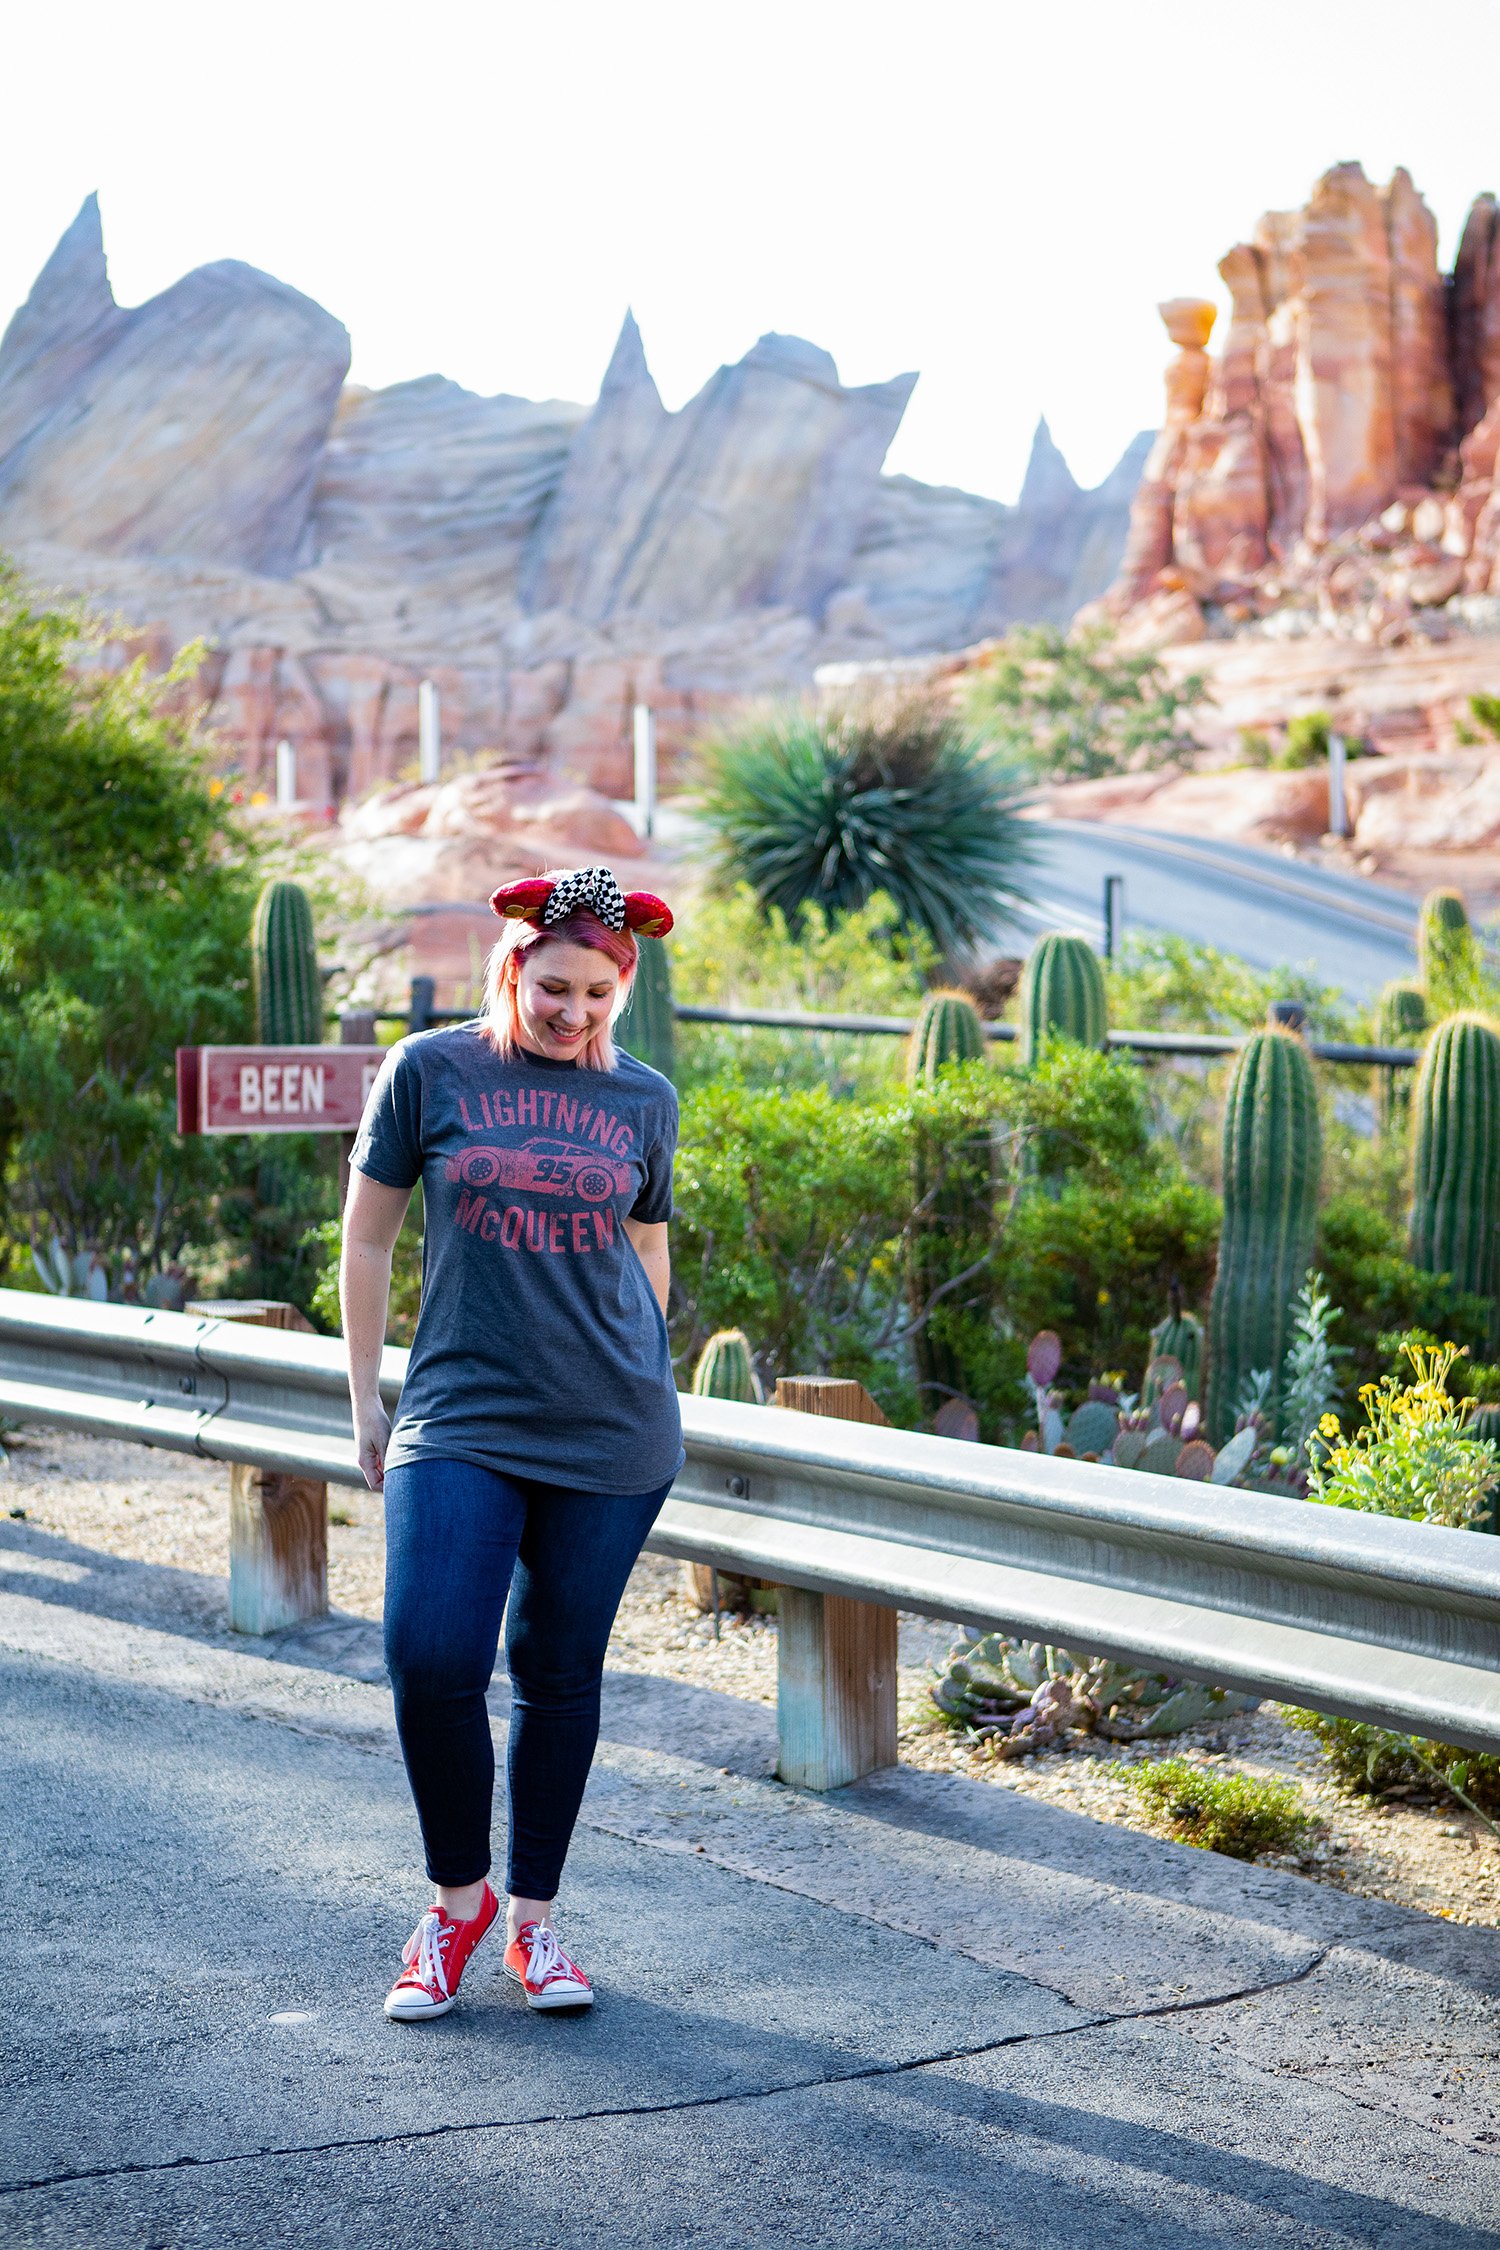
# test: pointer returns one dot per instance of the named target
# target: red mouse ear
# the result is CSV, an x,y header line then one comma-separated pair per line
x,y
522,902
647,915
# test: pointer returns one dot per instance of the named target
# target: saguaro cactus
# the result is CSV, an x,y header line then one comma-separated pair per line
x,y
952,1195
1062,995
284,969
948,1030
647,1028
726,1369
1455,1200
1447,951
1272,1153
1402,1022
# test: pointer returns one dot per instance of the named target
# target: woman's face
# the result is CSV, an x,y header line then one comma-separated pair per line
x,y
564,995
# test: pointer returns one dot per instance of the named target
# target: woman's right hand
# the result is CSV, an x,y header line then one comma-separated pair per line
x,y
372,1430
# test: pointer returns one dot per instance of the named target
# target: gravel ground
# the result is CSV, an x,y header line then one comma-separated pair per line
x,y
168,1509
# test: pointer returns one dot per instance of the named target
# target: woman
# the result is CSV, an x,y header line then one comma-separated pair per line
x,y
538,1431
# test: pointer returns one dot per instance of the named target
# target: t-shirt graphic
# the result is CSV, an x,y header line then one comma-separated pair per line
x,y
540,1347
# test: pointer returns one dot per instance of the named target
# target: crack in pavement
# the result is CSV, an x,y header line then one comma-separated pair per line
x,y
865,2072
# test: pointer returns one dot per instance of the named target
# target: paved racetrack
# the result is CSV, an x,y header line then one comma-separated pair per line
x,y
1271,910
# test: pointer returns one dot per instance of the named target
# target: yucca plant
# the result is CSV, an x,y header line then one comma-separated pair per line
x,y
815,806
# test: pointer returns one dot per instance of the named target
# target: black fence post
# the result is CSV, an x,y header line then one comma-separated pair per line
x,y
423,999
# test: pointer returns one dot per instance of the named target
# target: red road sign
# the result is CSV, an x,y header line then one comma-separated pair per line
x,y
274,1089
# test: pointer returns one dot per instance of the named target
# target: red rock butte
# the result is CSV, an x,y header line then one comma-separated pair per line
x,y
1332,467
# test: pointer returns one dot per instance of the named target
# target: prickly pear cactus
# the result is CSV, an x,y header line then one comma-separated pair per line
x,y
1092,1426
1272,1155
1455,1203
1020,1696
284,969
647,1025
1403,1021
1062,995
948,1030
726,1369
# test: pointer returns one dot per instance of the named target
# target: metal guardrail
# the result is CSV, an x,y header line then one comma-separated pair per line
x,y
1396,1623
423,1015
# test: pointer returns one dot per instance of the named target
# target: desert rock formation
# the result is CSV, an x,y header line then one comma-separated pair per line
x,y
1332,469
199,467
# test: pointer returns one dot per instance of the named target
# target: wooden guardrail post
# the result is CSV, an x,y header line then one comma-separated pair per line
x,y
836,1661
278,1523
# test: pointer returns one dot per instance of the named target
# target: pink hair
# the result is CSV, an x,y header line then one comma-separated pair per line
x,y
502,1010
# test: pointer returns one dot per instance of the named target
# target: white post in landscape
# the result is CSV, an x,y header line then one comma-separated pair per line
x,y
286,775
1338,796
645,770
429,734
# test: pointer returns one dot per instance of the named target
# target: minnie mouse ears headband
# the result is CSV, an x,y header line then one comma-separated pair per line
x,y
546,900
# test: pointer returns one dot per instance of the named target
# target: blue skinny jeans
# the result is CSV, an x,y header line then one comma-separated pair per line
x,y
459,1539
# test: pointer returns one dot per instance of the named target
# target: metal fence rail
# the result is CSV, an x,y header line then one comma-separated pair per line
x,y
1392,1622
423,1015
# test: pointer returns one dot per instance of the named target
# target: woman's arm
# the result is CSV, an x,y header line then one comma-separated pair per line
x,y
372,1221
652,1249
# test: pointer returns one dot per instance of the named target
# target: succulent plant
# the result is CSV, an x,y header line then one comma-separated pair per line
x,y
1455,1202
287,987
1022,1696
1447,951
647,1025
1091,1427
1179,1337
1402,1022
726,1369
1272,1154
1062,995
952,1201
947,1030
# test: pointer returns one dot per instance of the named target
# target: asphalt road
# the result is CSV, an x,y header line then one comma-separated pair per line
x,y
920,2012
1271,910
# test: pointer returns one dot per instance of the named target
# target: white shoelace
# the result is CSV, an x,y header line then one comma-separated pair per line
x,y
544,1956
429,1966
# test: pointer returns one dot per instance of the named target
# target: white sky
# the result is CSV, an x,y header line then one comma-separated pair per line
x,y
996,194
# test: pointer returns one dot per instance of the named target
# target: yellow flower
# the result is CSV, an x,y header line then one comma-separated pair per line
x,y
1103,1297
215,787
1329,1426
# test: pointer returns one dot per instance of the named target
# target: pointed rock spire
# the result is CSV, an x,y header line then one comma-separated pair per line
x,y
1049,483
59,332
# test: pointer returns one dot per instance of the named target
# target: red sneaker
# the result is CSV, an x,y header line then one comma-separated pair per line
x,y
544,1972
436,1955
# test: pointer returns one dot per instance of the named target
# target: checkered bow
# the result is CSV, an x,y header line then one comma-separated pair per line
x,y
546,900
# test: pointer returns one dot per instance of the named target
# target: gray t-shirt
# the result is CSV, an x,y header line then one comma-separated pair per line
x,y
540,1350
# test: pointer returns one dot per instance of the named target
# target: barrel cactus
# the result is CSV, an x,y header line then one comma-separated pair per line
x,y
1402,1022
1179,1337
285,981
1447,950
1455,1201
647,1027
1062,995
1272,1154
948,1030
726,1369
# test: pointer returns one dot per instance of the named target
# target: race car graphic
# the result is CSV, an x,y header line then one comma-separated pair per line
x,y
552,1167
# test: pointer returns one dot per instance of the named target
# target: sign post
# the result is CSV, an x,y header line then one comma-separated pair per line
x,y
274,1089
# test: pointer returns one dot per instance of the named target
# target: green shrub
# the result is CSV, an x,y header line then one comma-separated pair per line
x,y
727,951
126,888
1374,1762
1306,741
826,807
1361,1254
321,1246
1413,1455
1239,1814
1073,708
